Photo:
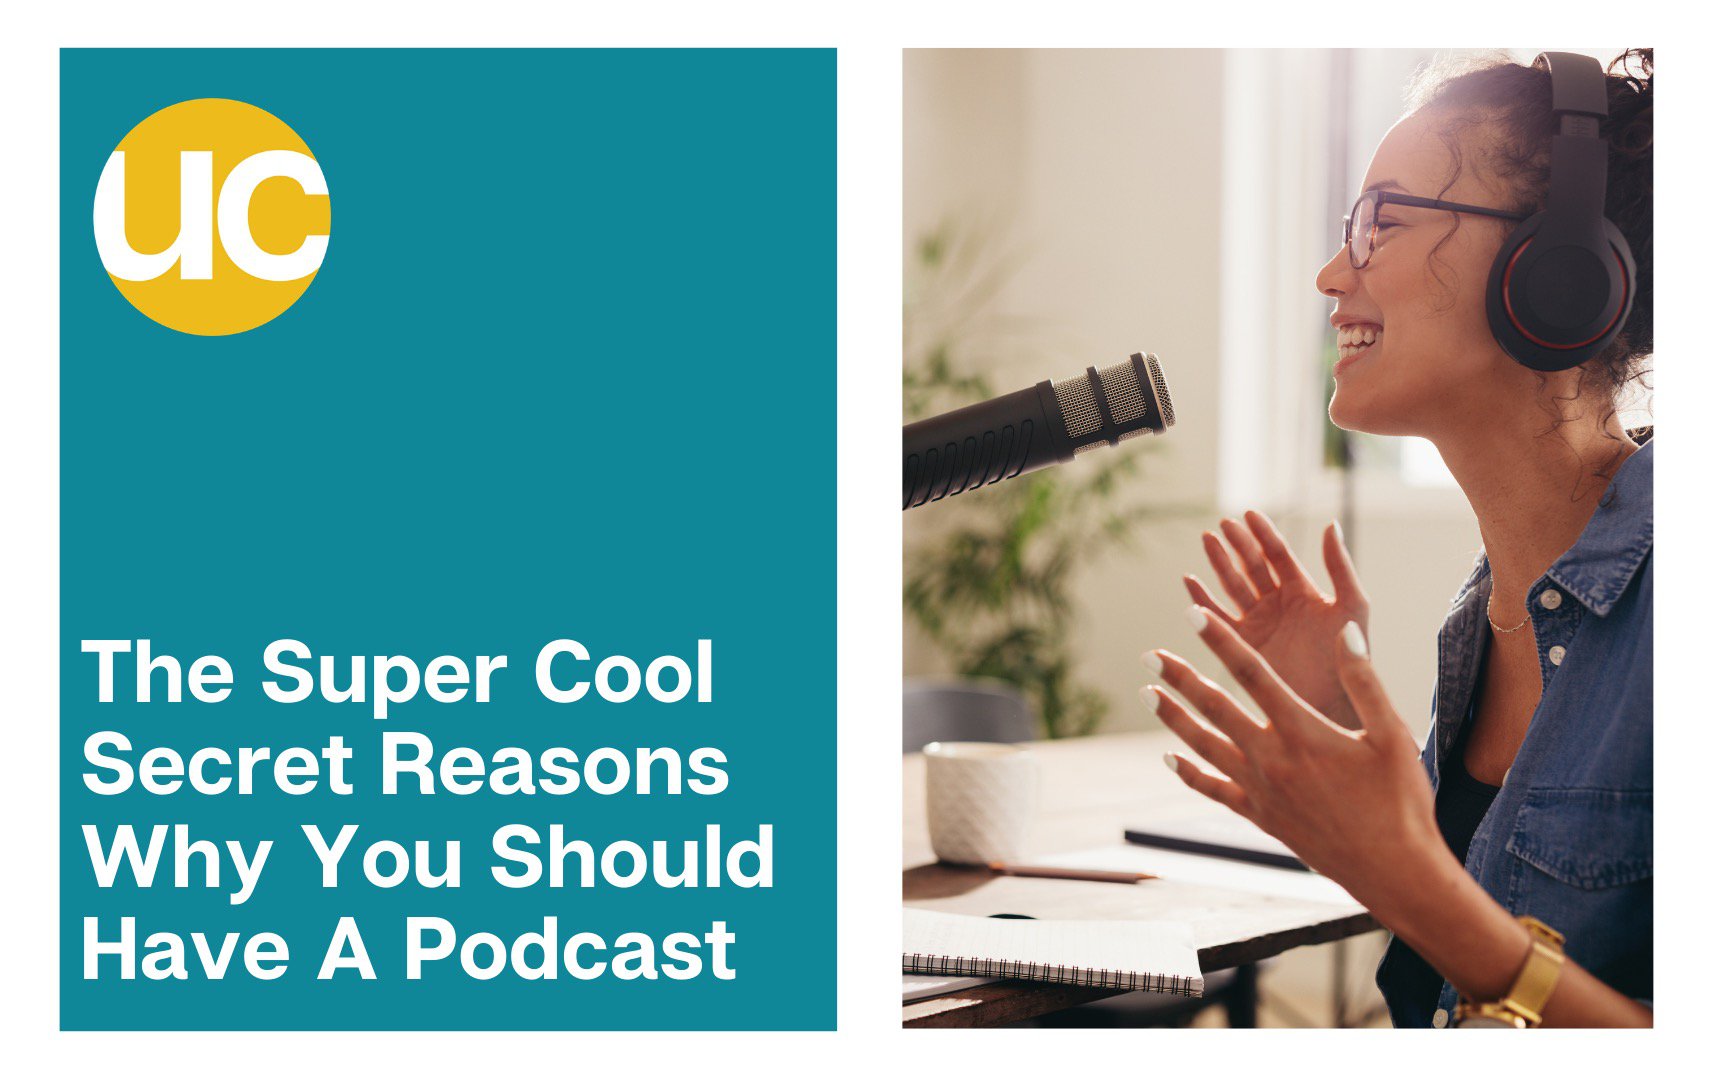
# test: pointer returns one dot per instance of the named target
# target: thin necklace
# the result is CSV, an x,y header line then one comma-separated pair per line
x,y
1499,628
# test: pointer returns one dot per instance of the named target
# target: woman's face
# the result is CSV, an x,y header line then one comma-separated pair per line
x,y
1433,367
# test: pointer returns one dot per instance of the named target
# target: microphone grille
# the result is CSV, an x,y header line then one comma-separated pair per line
x,y
1123,393
1167,412
1080,408
1126,403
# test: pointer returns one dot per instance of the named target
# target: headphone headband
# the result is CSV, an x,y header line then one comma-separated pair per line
x,y
1578,191
1579,84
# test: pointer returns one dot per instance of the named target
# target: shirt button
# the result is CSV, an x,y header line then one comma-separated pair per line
x,y
1440,1017
1556,654
1551,599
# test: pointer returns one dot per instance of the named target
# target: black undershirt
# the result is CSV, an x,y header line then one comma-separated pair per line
x,y
1458,808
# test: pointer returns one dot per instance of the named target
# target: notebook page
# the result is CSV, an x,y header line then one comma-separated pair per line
x,y
1155,955
916,987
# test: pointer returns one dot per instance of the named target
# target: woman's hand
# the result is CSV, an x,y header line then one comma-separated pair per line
x,y
1282,614
1354,804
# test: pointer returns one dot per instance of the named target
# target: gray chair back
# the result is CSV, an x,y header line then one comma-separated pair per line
x,y
963,710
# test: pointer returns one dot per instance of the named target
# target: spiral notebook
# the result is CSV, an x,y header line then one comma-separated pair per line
x,y
1116,955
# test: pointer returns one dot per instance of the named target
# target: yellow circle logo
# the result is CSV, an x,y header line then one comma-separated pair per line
x,y
212,217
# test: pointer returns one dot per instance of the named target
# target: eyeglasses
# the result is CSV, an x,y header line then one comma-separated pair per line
x,y
1362,227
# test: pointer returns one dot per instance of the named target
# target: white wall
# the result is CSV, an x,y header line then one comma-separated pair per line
x,y
1105,172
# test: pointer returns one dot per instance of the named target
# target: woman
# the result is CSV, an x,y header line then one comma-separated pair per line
x,y
1540,800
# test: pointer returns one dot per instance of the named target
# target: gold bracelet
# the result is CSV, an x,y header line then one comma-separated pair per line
x,y
1522,1005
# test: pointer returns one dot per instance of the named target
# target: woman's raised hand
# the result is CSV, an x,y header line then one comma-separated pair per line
x,y
1280,612
1354,804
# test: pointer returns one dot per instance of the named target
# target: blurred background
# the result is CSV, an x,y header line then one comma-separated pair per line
x,y
1065,208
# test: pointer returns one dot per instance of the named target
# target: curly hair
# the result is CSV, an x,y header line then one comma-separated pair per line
x,y
1506,109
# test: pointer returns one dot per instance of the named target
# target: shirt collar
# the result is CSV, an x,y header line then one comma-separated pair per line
x,y
1601,564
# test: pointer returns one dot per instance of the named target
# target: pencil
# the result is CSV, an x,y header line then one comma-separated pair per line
x,y
1119,877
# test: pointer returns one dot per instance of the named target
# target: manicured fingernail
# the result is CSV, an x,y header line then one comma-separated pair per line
x,y
1354,641
1150,660
1150,697
1196,617
1171,763
1338,531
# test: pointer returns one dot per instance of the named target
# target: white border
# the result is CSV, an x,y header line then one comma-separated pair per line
x,y
870,37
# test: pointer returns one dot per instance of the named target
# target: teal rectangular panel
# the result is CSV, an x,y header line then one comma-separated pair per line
x,y
566,372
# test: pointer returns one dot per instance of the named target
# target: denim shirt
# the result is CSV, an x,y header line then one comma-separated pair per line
x,y
1569,838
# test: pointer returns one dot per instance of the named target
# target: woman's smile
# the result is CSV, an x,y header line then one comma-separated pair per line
x,y
1355,340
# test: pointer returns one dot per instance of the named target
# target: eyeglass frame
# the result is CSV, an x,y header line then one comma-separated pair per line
x,y
1382,197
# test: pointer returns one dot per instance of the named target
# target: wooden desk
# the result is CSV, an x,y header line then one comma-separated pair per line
x,y
1090,789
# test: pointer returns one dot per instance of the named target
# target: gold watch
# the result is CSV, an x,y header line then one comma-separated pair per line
x,y
1522,1004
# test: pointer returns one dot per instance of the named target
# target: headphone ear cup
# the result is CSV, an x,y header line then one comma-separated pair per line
x,y
1505,330
1554,300
1627,271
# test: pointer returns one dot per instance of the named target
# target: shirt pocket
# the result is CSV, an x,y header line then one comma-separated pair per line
x,y
1586,838
1582,861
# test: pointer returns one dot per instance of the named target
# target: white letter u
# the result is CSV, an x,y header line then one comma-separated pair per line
x,y
193,248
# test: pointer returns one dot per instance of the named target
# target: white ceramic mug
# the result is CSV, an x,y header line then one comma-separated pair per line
x,y
980,800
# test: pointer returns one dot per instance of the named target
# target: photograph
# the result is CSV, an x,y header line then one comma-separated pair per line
x,y
1278,581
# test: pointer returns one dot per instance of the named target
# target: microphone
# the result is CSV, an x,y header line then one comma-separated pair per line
x,y
1042,425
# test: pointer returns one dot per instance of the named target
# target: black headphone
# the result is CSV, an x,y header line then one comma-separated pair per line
x,y
1563,283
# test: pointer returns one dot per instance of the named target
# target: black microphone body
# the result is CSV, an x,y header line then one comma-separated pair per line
x,y
1030,429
